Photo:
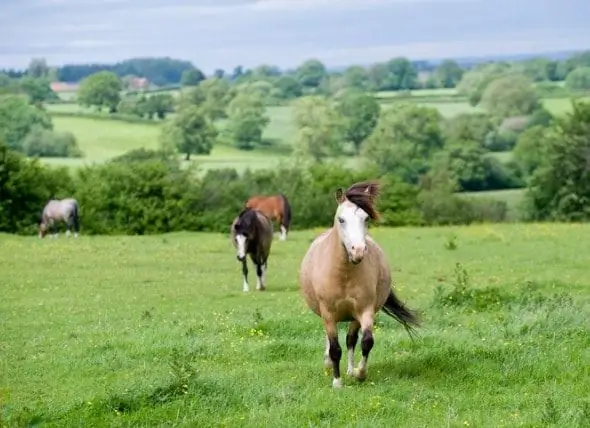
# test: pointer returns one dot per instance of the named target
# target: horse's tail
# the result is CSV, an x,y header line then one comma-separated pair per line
x,y
286,211
401,313
76,216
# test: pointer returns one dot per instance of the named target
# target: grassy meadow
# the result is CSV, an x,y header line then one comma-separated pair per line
x,y
155,331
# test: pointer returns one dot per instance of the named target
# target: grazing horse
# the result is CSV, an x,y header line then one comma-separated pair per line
x,y
66,210
275,207
252,233
345,276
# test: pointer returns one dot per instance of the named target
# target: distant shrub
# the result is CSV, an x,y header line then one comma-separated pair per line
x,y
47,143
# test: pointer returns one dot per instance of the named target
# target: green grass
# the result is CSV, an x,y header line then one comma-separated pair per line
x,y
155,331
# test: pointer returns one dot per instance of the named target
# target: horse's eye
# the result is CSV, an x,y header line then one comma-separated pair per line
x,y
340,220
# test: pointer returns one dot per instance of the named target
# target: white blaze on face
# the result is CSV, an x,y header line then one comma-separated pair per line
x,y
351,222
241,241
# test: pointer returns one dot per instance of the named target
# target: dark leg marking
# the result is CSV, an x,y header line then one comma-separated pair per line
x,y
335,355
367,343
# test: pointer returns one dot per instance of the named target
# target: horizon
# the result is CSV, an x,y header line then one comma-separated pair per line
x,y
285,33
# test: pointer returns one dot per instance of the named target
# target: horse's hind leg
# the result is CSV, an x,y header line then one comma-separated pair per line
x,y
352,338
283,234
245,274
367,342
69,227
76,225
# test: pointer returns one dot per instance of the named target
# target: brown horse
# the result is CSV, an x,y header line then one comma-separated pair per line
x,y
275,207
345,276
252,233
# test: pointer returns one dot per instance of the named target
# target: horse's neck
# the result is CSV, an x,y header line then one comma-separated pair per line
x,y
338,259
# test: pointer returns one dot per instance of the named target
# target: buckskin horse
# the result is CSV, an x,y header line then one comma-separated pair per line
x,y
275,207
345,276
252,233
66,210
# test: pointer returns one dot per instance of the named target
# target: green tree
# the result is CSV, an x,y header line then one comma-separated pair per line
x,y
319,128
100,90
38,90
246,120
468,127
190,132
288,87
466,162
311,73
356,77
529,151
559,188
404,140
38,68
18,118
360,113
578,79
474,82
511,95
448,73
192,77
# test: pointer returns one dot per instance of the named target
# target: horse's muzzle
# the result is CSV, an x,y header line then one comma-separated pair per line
x,y
240,258
357,254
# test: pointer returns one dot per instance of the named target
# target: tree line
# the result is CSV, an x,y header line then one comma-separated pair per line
x,y
312,75
407,139
146,191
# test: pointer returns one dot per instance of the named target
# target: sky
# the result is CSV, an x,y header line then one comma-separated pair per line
x,y
226,33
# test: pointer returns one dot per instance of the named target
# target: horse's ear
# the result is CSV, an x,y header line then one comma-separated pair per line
x,y
339,195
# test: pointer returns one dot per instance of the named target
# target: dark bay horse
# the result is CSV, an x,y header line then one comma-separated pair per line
x,y
345,276
66,210
275,207
252,234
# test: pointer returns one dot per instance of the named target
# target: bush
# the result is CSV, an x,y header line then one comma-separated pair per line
x,y
500,140
46,143
26,186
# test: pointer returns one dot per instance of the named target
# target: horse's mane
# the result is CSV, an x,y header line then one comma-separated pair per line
x,y
363,194
247,217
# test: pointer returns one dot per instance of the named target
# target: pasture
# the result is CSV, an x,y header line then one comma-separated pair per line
x,y
155,331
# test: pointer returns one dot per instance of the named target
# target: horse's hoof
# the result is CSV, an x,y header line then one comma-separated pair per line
x,y
336,383
359,374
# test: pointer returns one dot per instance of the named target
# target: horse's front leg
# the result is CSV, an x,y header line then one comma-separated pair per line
x,y
367,341
334,350
260,274
352,338
245,274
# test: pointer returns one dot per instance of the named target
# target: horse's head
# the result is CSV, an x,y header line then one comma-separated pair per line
x,y
42,229
355,209
244,229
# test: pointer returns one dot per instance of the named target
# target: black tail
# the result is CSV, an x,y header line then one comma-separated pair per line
x,y
76,219
396,309
287,212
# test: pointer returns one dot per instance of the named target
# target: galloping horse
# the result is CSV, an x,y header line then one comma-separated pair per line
x,y
66,210
275,207
252,233
345,276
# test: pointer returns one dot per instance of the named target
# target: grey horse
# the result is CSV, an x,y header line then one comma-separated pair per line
x,y
66,210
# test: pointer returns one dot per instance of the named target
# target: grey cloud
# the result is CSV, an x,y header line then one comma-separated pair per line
x,y
225,33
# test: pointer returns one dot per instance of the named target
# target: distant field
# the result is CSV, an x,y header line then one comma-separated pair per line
x,y
512,197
